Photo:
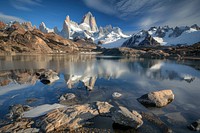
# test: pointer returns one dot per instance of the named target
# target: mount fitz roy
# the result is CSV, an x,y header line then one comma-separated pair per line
x,y
86,29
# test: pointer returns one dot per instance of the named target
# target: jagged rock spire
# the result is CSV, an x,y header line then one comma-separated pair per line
x,y
90,20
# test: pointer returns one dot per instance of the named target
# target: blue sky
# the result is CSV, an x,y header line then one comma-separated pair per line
x,y
130,15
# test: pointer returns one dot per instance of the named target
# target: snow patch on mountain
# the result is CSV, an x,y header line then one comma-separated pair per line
x,y
165,36
87,29
114,44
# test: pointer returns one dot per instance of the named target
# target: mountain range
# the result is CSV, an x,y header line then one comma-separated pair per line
x,y
86,37
87,28
165,36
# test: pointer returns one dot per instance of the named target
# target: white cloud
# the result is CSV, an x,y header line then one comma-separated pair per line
x,y
7,18
25,5
100,6
147,13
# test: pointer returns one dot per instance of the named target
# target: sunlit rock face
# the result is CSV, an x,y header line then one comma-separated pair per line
x,y
72,117
89,19
157,98
24,38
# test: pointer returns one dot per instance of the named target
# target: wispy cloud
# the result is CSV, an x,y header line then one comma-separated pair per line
x,y
146,13
7,18
25,5
101,5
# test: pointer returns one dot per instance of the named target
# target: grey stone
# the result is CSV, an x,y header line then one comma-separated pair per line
x,y
126,118
67,96
116,95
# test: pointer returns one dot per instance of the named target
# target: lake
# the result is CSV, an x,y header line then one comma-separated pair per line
x,y
131,77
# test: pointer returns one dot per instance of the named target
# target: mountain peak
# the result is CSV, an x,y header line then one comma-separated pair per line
x,y
67,19
90,21
43,24
89,14
86,29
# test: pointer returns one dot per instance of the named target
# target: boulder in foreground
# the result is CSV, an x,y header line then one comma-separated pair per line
x,y
157,98
72,117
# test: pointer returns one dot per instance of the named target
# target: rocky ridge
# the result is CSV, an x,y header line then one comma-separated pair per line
x,y
24,38
165,36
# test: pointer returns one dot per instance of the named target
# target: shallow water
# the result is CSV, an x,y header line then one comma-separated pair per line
x,y
130,77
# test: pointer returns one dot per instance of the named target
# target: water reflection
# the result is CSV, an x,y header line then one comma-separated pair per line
x,y
103,75
88,69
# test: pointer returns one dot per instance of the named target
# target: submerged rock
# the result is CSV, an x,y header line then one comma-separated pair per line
x,y
47,76
31,100
153,119
195,126
68,99
104,108
68,96
157,98
126,118
16,111
116,95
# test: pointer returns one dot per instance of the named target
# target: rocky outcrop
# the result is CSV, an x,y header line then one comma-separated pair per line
x,y
18,38
72,117
126,118
157,54
142,38
123,51
157,98
149,41
28,26
44,29
66,30
22,126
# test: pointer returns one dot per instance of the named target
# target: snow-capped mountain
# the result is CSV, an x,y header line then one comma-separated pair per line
x,y
86,29
165,36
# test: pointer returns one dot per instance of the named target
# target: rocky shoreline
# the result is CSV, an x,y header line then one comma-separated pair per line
x,y
69,115
160,52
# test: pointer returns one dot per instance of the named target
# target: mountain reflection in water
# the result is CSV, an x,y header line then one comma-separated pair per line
x,y
103,75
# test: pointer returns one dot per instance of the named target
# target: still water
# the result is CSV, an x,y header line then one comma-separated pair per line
x,y
130,77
